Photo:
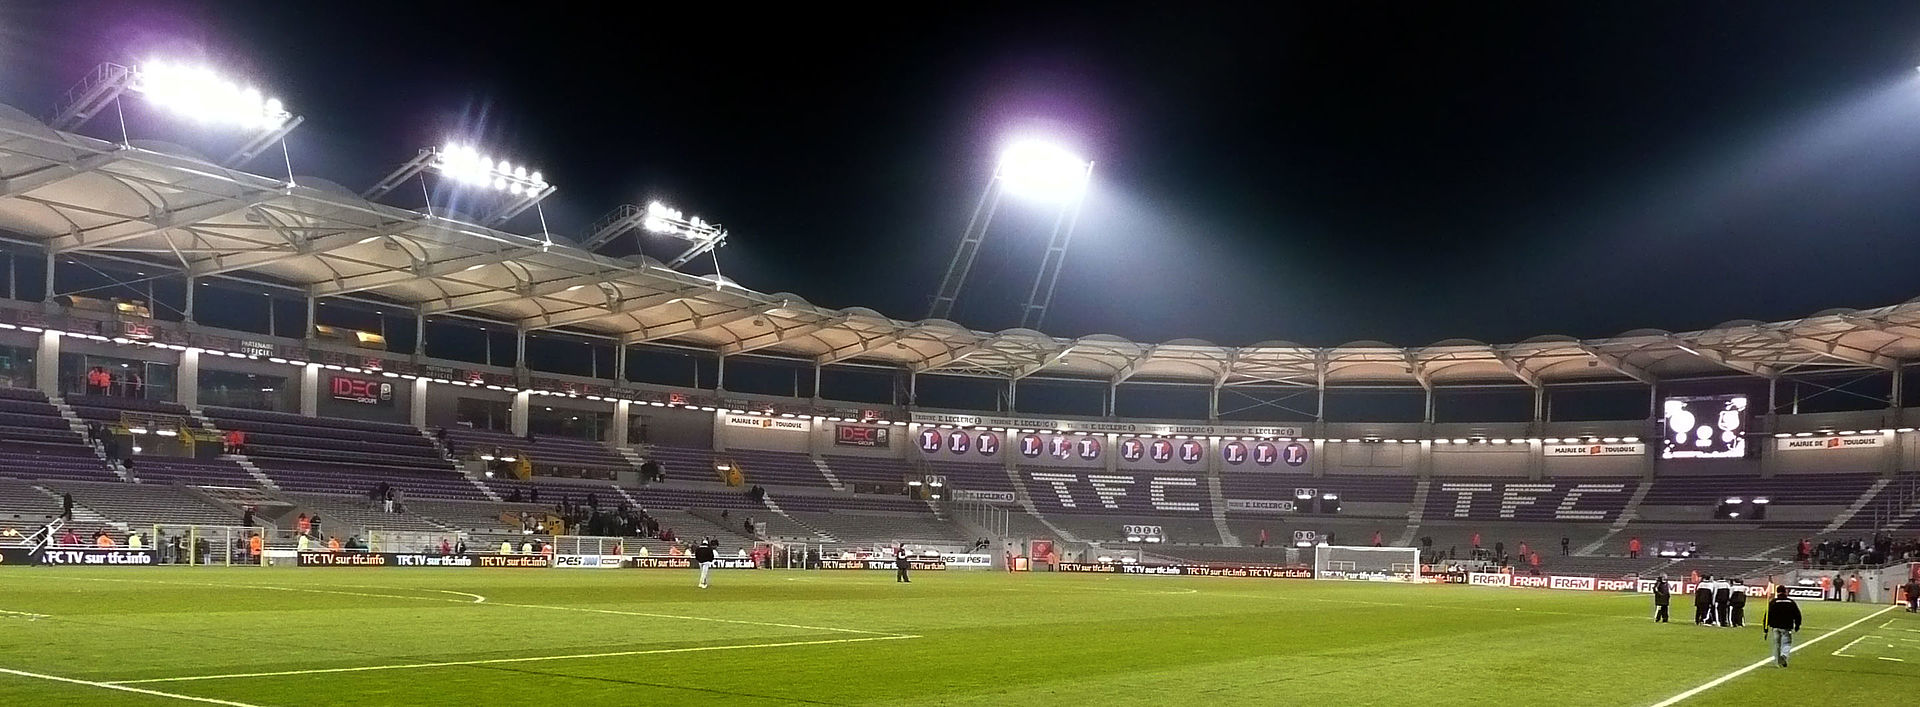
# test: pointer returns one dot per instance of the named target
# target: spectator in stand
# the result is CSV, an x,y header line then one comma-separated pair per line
x,y
1376,538
446,547
1805,552
314,524
1564,542
1525,551
1633,547
68,538
66,507
506,547
386,502
102,539
1263,538
246,516
1500,549
460,546
1534,561
303,525
134,542
1476,540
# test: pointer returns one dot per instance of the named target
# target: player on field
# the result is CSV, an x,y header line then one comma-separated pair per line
x,y
1661,596
1781,621
703,556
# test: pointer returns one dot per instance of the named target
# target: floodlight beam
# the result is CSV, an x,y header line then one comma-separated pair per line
x,y
969,248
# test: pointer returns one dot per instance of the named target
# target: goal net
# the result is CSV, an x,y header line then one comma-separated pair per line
x,y
1376,564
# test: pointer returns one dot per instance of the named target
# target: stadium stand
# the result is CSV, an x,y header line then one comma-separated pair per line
x,y
36,442
972,477
769,468
1569,500
868,470
544,451
177,470
683,463
145,504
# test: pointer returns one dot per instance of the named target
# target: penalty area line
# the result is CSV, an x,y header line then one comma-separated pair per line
x,y
498,661
123,688
1716,682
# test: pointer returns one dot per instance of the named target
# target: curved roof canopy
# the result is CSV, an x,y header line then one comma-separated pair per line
x,y
75,194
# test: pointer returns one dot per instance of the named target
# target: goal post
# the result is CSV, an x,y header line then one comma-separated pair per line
x,y
1376,564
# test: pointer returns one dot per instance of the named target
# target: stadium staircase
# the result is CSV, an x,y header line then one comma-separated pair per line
x,y
83,516
1227,537
633,458
79,427
259,477
825,471
1871,493
1416,513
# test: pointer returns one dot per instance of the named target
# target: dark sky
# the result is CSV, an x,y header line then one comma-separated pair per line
x,y
1316,172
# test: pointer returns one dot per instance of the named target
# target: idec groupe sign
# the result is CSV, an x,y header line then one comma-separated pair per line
x,y
1596,450
783,424
1824,444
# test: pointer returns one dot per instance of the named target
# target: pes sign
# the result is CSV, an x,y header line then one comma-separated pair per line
x,y
362,391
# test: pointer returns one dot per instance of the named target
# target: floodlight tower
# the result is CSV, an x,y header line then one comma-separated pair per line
x,y
191,91
1039,171
465,165
701,235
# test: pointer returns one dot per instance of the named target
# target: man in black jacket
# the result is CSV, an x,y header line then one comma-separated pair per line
x,y
900,563
1738,602
1661,596
1781,621
1722,603
703,557
1703,599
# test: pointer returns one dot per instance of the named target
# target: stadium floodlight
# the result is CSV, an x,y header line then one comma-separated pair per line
x,y
1036,170
463,164
1043,170
185,89
1630,440
1761,501
1133,538
703,236
197,92
1734,500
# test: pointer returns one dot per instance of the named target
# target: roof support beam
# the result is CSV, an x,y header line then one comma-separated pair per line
x,y
1720,356
866,346
587,313
441,268
1043,363
779,336
1513,366
696,323
1618,364
163,221
1133,366
49,174
229,262
1835,350
956,355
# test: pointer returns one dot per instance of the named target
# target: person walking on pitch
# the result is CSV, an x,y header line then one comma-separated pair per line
x,y
1661,596
1779,624
900,563
703,556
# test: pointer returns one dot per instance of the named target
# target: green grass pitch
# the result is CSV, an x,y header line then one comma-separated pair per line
x,y
365,636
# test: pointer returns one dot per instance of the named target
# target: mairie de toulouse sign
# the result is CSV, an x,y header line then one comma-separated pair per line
x,y
1130,428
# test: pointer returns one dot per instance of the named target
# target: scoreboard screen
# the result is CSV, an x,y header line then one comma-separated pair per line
x,y
1704,427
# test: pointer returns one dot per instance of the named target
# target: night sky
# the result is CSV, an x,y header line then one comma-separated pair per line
x,y
1319,173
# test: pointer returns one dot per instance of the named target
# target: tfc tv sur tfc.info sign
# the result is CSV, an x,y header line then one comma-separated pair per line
x,y
84,557
409,559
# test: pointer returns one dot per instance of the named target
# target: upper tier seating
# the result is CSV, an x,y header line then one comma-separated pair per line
x,y
1559,499
855,503
683,463
868,470
553,490
329,440
769,468
178,470
107,409
542,450
341,480
972,476
1839,489
37,443
671,498
1119,493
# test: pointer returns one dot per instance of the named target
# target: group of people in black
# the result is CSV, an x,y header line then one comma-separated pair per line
x,y
1880,549
1722,602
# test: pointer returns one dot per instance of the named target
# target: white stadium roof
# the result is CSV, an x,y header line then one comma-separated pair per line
x,y
73,194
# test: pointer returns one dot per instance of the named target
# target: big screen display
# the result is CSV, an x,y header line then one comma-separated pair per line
x,y
1704,427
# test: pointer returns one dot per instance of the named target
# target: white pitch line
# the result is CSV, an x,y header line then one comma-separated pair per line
x,y
27,614
1896,660
123,688
1716,682
1843,649
709,619
535,659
